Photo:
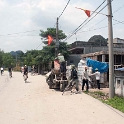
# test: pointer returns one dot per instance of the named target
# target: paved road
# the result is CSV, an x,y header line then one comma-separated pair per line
x,y
34,103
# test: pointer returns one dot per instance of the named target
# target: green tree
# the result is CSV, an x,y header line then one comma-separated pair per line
x,y
52,32
8,60
30,57
48,52
1,57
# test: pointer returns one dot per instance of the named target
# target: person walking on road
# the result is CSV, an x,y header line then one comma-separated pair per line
x,y
74,77
81,69
97,75
85,79
10,71
25,75
1,69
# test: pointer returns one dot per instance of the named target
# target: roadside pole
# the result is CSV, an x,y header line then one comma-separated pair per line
x,y
111,56
57,41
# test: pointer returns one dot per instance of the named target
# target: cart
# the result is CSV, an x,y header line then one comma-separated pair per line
x,y
56,79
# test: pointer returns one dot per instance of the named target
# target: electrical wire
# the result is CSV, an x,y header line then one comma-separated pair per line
x,y
103,20
77,29
64,9
20,36
97,28
74,30
38,46
20,32
122,22
88,21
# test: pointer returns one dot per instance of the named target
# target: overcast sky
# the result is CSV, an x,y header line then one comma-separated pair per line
x,y
22,20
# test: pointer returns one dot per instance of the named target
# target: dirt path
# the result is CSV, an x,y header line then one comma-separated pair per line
x,y
35,103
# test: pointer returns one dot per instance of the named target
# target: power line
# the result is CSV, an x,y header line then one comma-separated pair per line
x,y
6,36
64,9
20,32
122,22
118,9
88,21
77,29
103,20
98,28
38,46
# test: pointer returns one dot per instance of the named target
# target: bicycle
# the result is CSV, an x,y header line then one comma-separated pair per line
x,y
1,72
10,74
25,77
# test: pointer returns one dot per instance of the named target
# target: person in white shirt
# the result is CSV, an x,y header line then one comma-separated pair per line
x,y
62,63
22,69
97,75
80,70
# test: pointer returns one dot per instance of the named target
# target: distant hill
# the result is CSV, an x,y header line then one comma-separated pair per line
x,y
98,39
14,53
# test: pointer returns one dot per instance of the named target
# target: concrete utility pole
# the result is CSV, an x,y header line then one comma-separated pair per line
x,y
111,56
57,41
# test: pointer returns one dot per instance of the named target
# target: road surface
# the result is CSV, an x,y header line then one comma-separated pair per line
x,y
34,103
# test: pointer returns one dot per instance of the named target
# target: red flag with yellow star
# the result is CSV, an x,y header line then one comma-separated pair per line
x,y
50,39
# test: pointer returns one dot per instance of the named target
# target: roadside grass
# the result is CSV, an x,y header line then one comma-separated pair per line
x,y
117,102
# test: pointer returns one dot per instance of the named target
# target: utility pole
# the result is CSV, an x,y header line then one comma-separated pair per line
x,y
111,56
57,41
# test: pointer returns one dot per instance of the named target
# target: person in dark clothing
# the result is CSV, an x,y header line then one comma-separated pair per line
x,y
10,71
26,70
74,78
1,70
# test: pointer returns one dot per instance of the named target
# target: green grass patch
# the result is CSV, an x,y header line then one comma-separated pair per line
x,y
117,102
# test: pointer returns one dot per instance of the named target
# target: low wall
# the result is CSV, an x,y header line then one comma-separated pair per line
x,y
119,85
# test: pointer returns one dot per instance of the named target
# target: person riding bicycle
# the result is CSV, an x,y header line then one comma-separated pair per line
x,y
1,70
26,70
10,71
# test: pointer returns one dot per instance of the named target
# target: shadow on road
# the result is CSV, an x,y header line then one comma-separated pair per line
x,y
27,82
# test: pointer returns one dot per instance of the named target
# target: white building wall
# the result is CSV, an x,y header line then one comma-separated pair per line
x,y
118,40
119,86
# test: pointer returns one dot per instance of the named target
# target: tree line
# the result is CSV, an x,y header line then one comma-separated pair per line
x,y
42,57
36,57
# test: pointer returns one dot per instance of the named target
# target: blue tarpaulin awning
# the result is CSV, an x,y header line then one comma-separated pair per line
x,y
102,66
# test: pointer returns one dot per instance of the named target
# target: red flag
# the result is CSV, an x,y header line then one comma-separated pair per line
x,y
87,12
50,39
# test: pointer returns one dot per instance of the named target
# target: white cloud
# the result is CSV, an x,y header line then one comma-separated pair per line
x,y
27,15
